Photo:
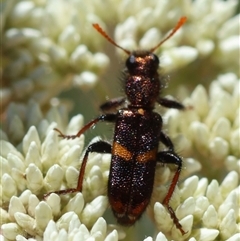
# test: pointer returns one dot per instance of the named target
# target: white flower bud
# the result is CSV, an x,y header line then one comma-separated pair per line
x,y
228,226
15,205
16,162
54,202
162,217
113,236
66,219
161,237
33,201
43,214
148,239
85,80
229,183
50,231
71,157
10,231
31,136
5,168
54,177
222,128
219,148
210,217
235,237
94,210
34,178
189,187
213,194
9,187
191,166
232,163
99,226
75,124
150,39
24,197
202,187
62,236
21,12
69,38
72,176
200,101
26,222
200,135
126,30
205,234
75,204
234,141
74,224
178,57
58,56
49,149
80,58
231,202
100,61
82,233
33,155
202,204
186,208
205,47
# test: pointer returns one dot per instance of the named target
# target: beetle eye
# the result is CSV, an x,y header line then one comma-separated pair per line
x,y
130,61
155,59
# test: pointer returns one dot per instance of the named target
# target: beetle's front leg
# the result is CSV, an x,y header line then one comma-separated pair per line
x,y
113,104
106,117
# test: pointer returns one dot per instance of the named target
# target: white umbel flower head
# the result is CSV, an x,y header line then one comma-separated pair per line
x,y
48,48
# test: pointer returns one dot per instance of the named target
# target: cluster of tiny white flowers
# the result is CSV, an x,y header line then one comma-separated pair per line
x,y
206,211
209,129
49,47
45,49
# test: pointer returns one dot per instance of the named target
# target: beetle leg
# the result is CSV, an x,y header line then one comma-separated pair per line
x,y
170,103
113,104
166,141
99,147
106,117
169,157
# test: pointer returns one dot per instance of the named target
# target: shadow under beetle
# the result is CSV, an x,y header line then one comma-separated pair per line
x,y
138,131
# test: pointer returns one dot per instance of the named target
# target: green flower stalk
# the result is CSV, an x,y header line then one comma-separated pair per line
x,y
49,47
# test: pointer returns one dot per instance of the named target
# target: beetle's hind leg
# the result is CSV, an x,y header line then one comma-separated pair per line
x,y
169,157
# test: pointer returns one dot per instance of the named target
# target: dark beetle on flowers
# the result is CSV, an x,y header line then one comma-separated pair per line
x,y
138,131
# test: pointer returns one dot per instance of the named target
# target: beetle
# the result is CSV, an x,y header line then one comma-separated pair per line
x,y
138,132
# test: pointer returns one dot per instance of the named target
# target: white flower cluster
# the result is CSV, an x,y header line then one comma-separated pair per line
x,y
48,47
45,49
206,211
209,129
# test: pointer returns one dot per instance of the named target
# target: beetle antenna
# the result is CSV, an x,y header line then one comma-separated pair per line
x,y
104,34
180,23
